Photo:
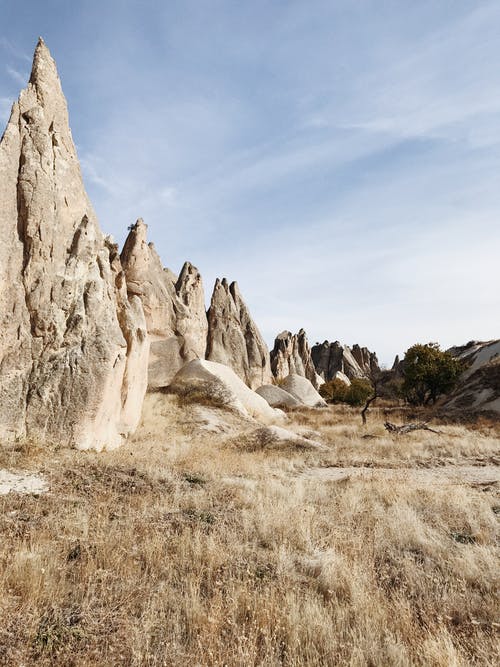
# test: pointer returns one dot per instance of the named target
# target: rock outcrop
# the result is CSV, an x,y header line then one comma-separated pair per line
x,y
366,360
291,354
302,389
73,346
174,307
233,337
331,358
208,381
278,397
478,388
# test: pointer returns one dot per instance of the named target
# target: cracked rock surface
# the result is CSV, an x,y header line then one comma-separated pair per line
x,y
73,346
233,337
174,307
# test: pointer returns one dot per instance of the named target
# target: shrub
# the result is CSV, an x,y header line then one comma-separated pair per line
x,y
428,373
336,391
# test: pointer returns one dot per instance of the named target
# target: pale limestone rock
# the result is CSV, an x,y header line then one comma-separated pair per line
x,y
342,377
302,389
174,307
73,347
278,397
233,338
201,380
292,355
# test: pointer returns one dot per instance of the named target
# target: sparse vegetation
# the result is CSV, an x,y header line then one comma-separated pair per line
x,y
355,394
179,549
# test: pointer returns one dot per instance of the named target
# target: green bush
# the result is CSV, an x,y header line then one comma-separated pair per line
x,y
336,391
428,373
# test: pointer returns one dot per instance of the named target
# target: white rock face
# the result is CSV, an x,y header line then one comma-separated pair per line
x,y
291,354
233,338
73,347
174,307
303,391
219,384
342,377
278,397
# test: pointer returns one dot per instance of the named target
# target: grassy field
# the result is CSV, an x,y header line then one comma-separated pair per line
x,y
185,547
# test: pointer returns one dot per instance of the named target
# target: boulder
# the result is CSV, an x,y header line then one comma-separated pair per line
x,y
291,354
300,387
342,377
276,437
233,337
73,345
174,307
202,381
278,397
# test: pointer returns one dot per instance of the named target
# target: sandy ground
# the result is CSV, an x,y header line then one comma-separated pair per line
x,y
21,482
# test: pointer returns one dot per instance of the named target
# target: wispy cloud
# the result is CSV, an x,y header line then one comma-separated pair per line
x,y
17,76
339,159
12,50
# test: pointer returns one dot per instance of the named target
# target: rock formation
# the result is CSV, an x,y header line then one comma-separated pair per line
x,y
278,397
478,388
330,358
366,360
218,384
291,354
73,346
302,389
233,338
174,307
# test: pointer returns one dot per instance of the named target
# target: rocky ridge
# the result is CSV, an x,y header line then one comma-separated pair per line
x,y
332,358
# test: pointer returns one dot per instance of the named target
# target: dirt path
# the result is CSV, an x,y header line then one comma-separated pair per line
x,y
21,482
447,474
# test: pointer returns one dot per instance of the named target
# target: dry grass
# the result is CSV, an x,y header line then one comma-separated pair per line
x,y
183,549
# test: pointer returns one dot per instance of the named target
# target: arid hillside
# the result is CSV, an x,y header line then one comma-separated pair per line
x,y
208,541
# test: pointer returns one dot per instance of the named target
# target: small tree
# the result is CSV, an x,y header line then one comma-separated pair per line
x,y
336,391
428,373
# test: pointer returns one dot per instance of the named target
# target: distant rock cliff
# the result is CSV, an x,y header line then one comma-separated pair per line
x,y
332,358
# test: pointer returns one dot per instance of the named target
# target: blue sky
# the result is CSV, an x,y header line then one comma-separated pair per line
x,y
340,159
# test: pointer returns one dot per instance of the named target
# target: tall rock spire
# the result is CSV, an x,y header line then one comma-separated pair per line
x,y
73,347
174,307
291,354
233,337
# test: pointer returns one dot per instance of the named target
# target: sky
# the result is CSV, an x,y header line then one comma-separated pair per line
x,y
339,159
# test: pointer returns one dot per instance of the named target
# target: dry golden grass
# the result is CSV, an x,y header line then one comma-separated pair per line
x,y
182,549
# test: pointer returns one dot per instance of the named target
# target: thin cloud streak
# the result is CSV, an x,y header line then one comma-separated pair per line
x,y
339,160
